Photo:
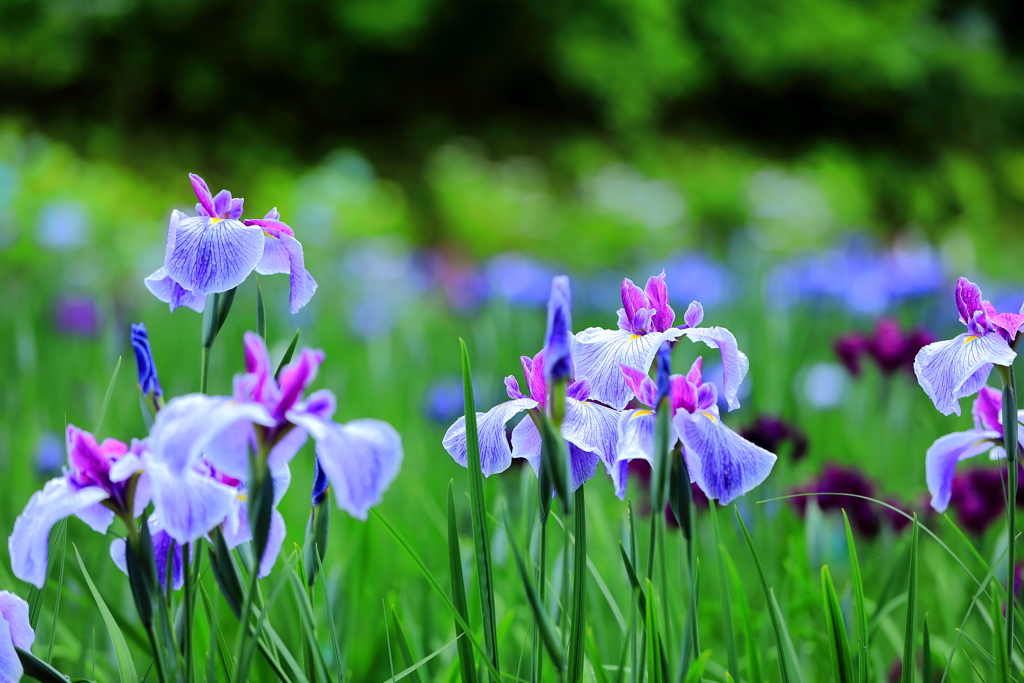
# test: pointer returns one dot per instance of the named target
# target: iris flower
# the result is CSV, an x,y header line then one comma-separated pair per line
x,y
645,322
162,544
268,417
15,631
721,462
216,250
588,427
94,487
959,367
948,450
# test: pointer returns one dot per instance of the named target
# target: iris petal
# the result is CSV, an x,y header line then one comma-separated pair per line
x,y
599,355
213,255
722,463
734,362
945,453
495,454
189,503
592,428
165,288
952,369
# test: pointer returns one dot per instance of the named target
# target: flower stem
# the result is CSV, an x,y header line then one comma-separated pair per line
x,y
541,591
204,368
1010,444
158,655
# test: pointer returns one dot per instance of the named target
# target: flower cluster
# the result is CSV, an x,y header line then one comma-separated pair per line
x,y
847,488
611,402
888,346
195,465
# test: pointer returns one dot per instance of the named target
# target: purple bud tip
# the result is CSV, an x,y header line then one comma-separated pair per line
x,y
557,354
319,485
664,370
148,380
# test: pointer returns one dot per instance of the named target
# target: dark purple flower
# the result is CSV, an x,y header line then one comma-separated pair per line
x,y
888,346
849,348
897,521
148,380
977,497
770,433
77,315
843,480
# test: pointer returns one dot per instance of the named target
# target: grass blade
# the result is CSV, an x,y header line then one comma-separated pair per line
x,y
38,669
106,397
594,652
579,590
420,664
63,535
654,670
911,629
287,357
842,665
730,638
750,644
860,611
261,311
335,647
467,661
548,636
125,665
403,645
687,663
478,510
1000,655
926,651
773,613
245,660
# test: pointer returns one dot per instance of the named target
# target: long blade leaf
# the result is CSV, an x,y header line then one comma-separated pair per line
x,y
125,665
467,661
842,665
910,632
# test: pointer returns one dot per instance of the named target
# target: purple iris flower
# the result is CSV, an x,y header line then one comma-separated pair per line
x,y
948,450
589,428
836,479
15,631
77,315
216,250
148,380
721,462
645,322
269,417
891,348
771,432
950,370
94,487
977,497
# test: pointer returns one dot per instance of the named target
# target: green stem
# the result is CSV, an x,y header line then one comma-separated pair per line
x,y
541,592
158,655
1010,444
653,543
204,368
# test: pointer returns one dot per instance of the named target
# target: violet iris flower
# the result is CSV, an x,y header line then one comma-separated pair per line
x,y
948,450
645,322
269,417
162,544
950,370
94,487
216,250
588,427
15,631
721,462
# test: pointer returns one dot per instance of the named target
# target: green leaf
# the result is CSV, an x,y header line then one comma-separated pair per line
x,y
773,613
730,637
287,357
540,615
261,311
466,660
577,608
224,307
63,534
926,651
125,665
661,467
335,647
985,654
225,571
38,669
318,533
749,641
247,654
686,665
554,464
436,585
910,633
654,670
106,397
594,653
842,665
216,639
977,595
860,611
478,511
1001,658
403,645
318,665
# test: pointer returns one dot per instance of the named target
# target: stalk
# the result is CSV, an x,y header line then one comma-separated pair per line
x,y
538,669
1010,444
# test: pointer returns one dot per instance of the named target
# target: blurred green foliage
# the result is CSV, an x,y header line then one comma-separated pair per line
x,y
906,113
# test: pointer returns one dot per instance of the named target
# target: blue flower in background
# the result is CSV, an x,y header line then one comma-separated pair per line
x,y
50,454
694,277
62,225
519,280
444,401
950,370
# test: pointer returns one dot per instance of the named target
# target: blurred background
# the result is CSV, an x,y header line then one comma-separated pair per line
x,y
815,172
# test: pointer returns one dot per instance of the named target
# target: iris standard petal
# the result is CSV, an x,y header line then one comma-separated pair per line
x,y
14,611
97,516
942,457
361,458
213,255
593,428
495,454
734,362
165,288
952,369
275,257
29,541
283,254
635,435
599,355
582,465
189,504
722,463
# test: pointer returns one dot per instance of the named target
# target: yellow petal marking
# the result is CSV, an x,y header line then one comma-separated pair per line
x,y
709,416
970,339
641,413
